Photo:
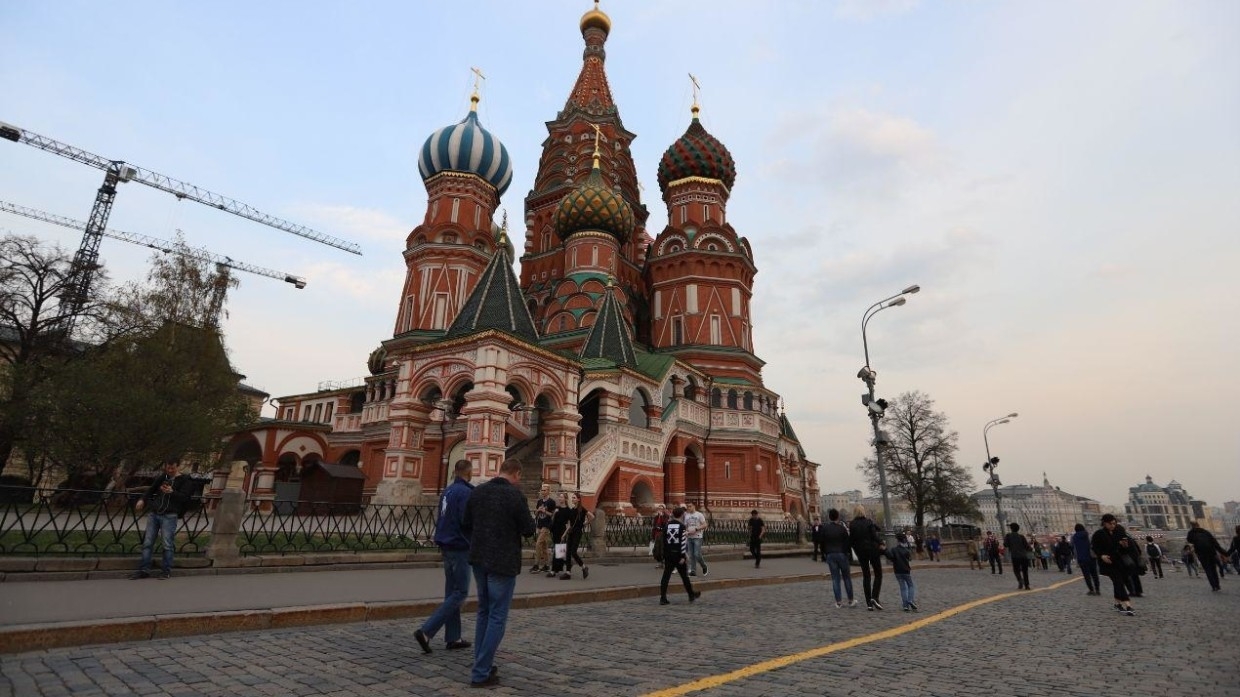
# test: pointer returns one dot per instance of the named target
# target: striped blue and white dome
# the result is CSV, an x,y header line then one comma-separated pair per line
x,y
467,147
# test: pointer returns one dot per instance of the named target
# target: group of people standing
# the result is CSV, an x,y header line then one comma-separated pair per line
x,y
838,542
561,523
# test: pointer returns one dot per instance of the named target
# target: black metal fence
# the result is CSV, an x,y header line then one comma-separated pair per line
x,y
636,531
82,522
339,527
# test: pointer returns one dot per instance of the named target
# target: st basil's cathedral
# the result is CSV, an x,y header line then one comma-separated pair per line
x,y
617,364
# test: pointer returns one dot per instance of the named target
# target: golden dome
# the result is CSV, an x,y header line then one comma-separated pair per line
x,y
596,18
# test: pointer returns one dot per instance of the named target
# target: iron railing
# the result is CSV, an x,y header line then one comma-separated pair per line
x,y
338,527
635,531
39,522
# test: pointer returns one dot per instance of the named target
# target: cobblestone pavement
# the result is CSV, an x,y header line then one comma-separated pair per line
x,y
1057,643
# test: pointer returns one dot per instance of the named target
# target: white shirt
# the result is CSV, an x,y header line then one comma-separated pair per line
x,y
694,522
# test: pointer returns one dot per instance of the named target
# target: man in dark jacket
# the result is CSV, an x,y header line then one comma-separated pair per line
x,y
993,552
454,547
1209,552
497,516
165,502
837,551
815,536
1085,559
1021,553
1106,546
867,542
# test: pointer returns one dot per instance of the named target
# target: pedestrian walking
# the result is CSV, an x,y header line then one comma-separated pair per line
x,y
1037,553
901,565
1130,560
1063,554
974,552
1189,556
497,516
757,531
675,551
560,521
934,546
867,543
1155,554
994,552
578,518
454,548
837,551
1209,552
1085,559
661,517
165,501
1105,544
544,513
1021,553
695,530
1233,552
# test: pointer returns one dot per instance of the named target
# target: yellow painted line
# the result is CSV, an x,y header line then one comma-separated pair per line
x,y
784,661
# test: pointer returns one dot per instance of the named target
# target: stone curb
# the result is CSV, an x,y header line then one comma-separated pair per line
x,y
38,637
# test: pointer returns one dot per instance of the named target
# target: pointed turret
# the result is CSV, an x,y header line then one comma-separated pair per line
x,y
496,303
609,337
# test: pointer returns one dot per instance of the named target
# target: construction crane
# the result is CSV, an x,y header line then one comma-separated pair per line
x,y
223,263
86,260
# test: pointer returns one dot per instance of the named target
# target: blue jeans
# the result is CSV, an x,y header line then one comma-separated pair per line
x,y
494,598
839,564
165,526
455,591
695,555
908,591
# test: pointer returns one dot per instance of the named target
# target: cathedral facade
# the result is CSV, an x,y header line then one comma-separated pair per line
x,y
618,364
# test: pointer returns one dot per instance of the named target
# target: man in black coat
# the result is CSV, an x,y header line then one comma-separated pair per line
x,y
1209,551
867,542
497,516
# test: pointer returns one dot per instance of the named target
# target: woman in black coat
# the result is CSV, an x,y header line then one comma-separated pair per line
x,y
1106,546
867,541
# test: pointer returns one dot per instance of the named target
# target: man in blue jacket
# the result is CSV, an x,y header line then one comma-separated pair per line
x,y
1085,559
454,546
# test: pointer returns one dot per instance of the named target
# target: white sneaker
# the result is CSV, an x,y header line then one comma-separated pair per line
x,y
839,605
852,603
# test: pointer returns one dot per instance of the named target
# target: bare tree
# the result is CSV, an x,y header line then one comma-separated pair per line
x,y
920,460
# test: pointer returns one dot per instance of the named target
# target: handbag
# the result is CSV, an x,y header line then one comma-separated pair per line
x,y
561,550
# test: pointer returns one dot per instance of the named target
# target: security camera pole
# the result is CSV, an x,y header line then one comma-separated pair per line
x,y
992,463
876,407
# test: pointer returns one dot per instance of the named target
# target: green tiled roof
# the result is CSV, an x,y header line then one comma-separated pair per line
x,y
496,303
609,337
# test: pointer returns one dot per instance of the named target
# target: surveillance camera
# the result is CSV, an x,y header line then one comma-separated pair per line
x,y
866,373
881,437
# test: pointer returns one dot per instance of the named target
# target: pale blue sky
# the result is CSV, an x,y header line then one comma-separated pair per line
x,y
1059,177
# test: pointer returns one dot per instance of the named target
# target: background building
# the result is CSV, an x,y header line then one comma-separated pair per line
x,y
1040,510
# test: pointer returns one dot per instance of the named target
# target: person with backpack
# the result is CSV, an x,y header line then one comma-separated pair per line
x,y
165,501
867,542
1154,553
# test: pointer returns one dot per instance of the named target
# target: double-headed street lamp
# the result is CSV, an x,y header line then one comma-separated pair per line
x,y
992,463
876,406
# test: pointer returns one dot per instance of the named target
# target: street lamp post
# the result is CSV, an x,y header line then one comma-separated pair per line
x,y
877,406
992,463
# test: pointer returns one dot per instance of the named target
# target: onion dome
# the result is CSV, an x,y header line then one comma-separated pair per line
x,y
596,18
377,361
594,206
467,147
697,154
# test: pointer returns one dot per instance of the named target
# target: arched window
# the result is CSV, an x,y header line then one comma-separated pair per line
x,y
731,399
716,397
637,409
691,388
748,400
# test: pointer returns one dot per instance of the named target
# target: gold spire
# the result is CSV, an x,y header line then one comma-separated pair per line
x,y
596,18
474,98
696,88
